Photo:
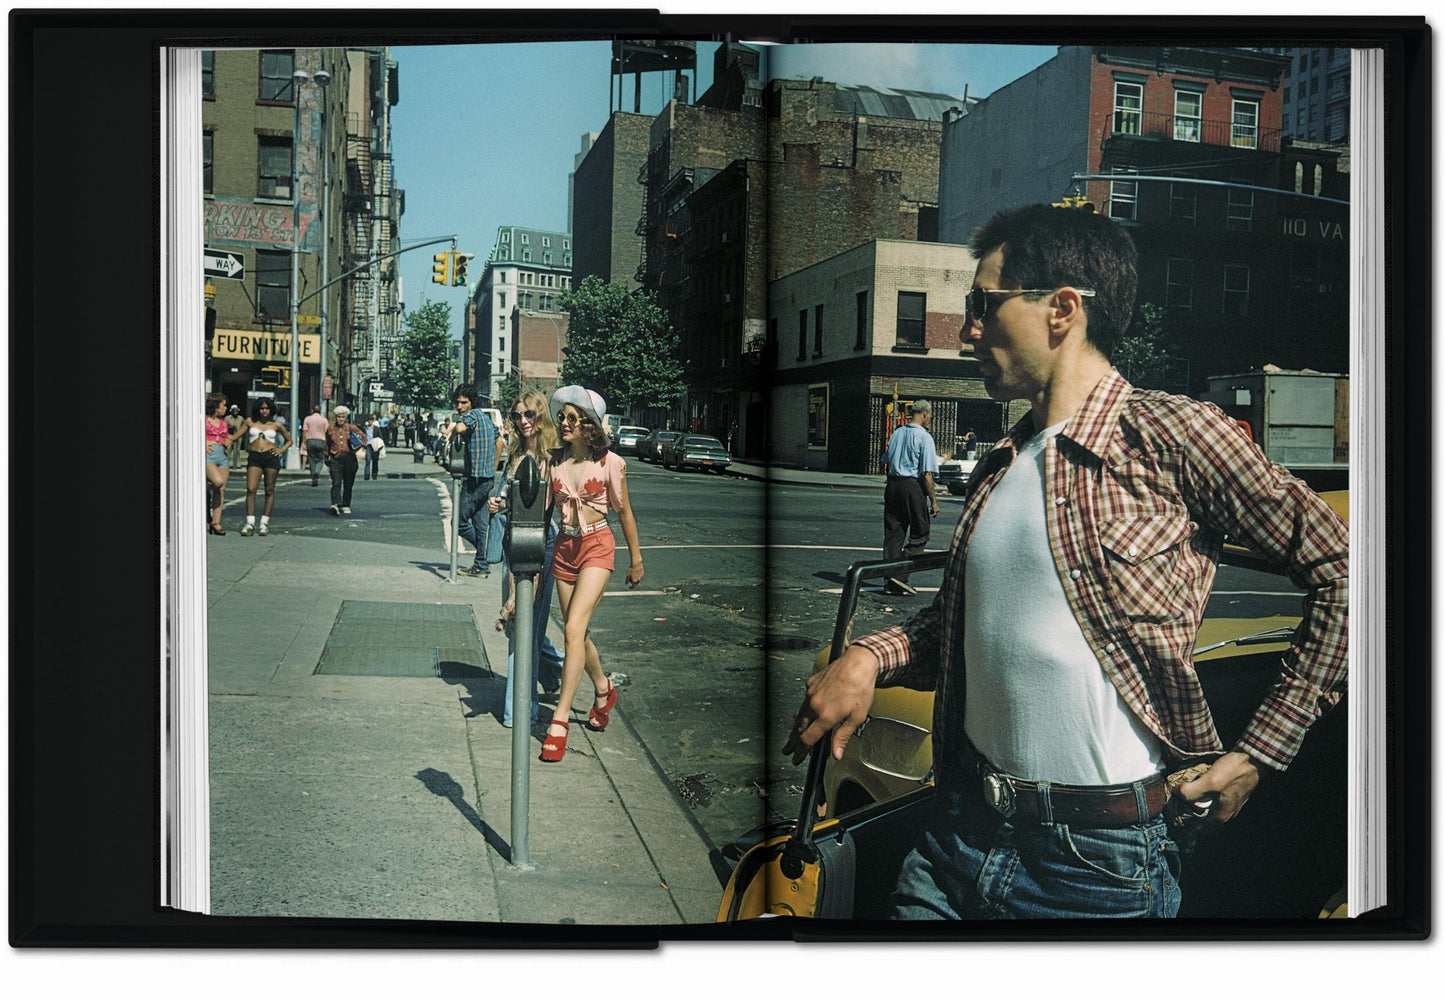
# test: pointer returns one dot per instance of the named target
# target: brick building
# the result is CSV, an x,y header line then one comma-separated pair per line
x,y
607,195
265,191
1316,95
1200,130
867,326
526,270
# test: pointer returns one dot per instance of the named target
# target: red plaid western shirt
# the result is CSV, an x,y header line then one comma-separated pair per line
x,y
1142,488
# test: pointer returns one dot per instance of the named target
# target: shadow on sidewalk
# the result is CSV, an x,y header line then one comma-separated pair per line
x,y
442,784
441,571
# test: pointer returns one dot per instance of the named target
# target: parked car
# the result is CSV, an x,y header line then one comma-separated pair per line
x,y
696,451
953,473
650,448
1282,858
628,436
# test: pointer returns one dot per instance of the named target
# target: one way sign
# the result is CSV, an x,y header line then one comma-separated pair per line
x,y
225,264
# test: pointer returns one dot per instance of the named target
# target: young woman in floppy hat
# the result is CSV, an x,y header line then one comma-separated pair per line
x,y
588,480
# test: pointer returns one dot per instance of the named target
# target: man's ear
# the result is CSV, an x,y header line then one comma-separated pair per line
x,y
1066,312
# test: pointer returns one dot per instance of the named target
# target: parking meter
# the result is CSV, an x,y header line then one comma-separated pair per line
x,y
457,454
526,538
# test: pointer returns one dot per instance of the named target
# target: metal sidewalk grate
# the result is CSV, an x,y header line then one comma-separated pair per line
x,y
398,639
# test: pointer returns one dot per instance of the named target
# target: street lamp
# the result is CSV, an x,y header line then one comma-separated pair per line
x,y
558,332
321,78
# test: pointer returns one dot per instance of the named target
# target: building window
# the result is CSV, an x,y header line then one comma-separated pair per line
x,y
566,244
526,256
546,302
1240,214
818,331
1286,95
1179,283
276,70
506,237
208,158
1124,198
547,257
1236,290
912,307
1188,105
861,340
1245,129
208,73
546,241
526,238
1183,202
524,300
273,167
501,300
1128,105
501,323
273,284
502,346
802,334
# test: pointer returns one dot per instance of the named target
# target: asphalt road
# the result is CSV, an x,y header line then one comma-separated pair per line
x,y
700,687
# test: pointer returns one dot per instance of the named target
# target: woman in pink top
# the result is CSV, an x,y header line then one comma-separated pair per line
x,y
218,466
588,480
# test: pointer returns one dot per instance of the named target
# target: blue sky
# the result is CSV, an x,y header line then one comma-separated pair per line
x,y
485,135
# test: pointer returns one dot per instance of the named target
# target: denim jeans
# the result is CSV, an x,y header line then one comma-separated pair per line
x,y
971,863
543,652
474,519
373,459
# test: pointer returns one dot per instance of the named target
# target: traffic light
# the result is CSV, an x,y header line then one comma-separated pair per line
x,y
459,267
441,271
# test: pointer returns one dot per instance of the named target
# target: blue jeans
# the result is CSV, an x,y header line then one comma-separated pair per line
x,y
373,459
971,863
542,649
474,518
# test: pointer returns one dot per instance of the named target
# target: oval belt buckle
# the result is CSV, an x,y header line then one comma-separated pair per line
x,y
998,792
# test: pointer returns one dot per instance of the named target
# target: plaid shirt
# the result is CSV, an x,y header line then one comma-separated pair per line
x,y
481,444
1142,488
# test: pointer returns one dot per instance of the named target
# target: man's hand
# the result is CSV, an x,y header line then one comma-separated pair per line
x,y
1233,777
839,695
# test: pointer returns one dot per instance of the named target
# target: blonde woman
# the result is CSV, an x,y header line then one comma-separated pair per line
x,y
588,480
530,431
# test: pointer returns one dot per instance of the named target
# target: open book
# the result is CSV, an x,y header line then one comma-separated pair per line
x,y
333,691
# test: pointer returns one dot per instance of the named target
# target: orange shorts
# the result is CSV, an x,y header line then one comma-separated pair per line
x,y
573,552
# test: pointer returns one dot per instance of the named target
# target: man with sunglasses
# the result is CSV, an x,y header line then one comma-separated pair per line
x,y
484,445
1060,643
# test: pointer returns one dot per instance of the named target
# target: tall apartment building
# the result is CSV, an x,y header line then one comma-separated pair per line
x,y
607,201
526,270
270,187
1247,273
1316,95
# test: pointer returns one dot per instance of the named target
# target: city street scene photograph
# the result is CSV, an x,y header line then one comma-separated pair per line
x,y
657,482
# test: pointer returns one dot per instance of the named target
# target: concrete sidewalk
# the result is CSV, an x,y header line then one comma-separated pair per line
x,y
361,795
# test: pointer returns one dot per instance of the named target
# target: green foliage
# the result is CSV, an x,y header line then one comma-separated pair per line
x,y
509,390
423,370
1144,355
620,343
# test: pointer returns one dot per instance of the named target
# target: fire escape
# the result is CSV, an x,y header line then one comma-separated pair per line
x,y
362,304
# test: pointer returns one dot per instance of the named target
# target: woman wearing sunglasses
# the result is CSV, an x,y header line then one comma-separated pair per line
x,y
530,432
588,480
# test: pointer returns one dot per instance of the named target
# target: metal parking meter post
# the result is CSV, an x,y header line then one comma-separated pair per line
x,y
457,466
525,543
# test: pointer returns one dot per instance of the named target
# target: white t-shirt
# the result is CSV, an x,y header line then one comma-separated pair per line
x,y
1038,703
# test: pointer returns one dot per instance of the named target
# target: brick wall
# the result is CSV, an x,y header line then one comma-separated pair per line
x,y
607,201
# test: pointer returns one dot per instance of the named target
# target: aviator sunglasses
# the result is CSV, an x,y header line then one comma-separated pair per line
x,y
977,304
518,416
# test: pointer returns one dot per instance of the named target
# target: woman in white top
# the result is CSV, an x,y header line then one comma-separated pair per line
x,y
266,442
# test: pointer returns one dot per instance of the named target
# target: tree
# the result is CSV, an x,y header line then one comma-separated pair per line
x,y
1143,355
423,371
620,343
510,389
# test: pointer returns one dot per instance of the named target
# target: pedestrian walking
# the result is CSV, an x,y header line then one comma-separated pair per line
x,y
218,464
588,480
313,433
530,433
264,435
234,422
1060,645
343,440
909,498
483,443
970,445
408,430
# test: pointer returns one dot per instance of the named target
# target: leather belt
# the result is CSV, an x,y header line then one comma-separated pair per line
x,y
575,531
1023,802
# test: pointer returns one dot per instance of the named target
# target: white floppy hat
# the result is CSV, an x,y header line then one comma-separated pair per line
x,y
592,405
